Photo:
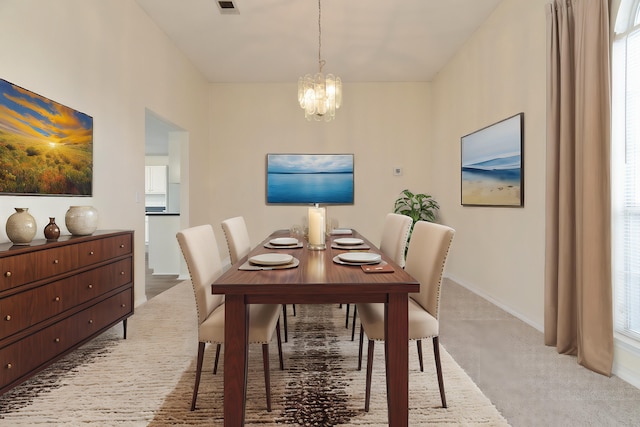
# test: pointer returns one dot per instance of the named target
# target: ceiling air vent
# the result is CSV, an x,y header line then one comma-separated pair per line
x,y
227,7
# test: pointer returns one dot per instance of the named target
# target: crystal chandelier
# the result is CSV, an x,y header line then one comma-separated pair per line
x,y
320,95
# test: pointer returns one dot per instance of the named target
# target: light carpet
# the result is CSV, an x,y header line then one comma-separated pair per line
x,y
148,378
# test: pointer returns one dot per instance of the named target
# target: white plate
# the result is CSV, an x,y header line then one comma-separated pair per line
x,y
284,241
271,259
350,241
360,257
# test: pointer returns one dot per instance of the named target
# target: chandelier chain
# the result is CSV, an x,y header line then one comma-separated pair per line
x,y
320,61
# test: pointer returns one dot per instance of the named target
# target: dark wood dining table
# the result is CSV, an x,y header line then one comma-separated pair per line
x,y
316,280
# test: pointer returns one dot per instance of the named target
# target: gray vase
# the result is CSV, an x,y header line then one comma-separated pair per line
x,y
81,220
21,227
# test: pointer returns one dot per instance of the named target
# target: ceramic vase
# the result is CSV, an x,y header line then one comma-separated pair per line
x,y
21,227
81,220
51,230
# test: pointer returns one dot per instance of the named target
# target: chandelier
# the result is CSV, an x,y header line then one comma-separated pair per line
x,y
320,95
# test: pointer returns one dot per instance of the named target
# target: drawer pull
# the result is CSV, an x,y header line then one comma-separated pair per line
x,y
7,274
57,299
122,273
55,261
123,305
90,286
9,366
7,317
122,245
91,321
56,340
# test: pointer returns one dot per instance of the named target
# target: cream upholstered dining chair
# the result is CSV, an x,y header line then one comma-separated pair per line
x,y
200,250
426,258
237,236
239,244
395,233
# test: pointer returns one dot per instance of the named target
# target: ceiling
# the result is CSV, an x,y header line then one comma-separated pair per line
x,y
277,40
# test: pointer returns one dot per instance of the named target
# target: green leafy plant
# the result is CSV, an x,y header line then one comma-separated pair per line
x,y
420,207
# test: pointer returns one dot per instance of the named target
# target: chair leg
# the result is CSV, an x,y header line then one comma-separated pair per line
x,y
279,345
284,319
367,393
346,320
353,326
294,309
360,347
436,353
267,378
215,363
419,344
198,372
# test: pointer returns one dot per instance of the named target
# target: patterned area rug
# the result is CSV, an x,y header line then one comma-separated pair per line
x,y
148,378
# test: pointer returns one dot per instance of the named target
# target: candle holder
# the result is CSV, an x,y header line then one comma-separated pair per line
x,y
317,228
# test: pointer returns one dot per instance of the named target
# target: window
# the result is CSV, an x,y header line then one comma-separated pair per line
x,y
626,169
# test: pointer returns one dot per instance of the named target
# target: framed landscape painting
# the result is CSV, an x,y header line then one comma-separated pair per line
x,y
492,164
46,148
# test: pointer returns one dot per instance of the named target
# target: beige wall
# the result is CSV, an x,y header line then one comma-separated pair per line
x,y
110,61
498,252
383,124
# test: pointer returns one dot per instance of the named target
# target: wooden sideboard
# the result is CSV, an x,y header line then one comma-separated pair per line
x,y
56,296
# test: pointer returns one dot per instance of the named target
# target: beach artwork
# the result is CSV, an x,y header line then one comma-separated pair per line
x,y
46,148
492,173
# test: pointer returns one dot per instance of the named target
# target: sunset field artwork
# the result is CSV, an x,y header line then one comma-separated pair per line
x,y
46,148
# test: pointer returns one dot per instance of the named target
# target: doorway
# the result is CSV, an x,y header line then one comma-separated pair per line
x,y
164,146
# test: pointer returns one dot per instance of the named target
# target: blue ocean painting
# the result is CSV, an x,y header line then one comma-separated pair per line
x,y
492,164
308,178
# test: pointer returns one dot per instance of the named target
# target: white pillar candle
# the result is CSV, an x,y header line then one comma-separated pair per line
x,y
316,226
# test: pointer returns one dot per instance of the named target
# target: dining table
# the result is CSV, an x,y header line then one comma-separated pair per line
x,y
315,277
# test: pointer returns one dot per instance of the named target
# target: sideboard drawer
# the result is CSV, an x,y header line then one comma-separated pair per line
x,y
34,352
95,251
97,282
91,321
55,261
17,270
20,311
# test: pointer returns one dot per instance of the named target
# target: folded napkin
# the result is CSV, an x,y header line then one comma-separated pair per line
x,y
383,267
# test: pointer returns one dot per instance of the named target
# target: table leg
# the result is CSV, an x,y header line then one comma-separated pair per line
x,y
397,359
236,333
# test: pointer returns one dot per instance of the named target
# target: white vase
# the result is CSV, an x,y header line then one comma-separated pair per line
x,y
21,227
81,220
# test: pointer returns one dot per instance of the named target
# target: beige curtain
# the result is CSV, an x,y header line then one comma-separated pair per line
x,y
578,313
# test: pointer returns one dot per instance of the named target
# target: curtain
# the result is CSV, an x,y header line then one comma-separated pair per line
x,y
578,292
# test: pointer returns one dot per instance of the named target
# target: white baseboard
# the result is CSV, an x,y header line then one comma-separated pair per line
x,y
626,360
497,303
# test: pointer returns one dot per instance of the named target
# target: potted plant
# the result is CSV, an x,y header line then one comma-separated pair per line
x,y
417,206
